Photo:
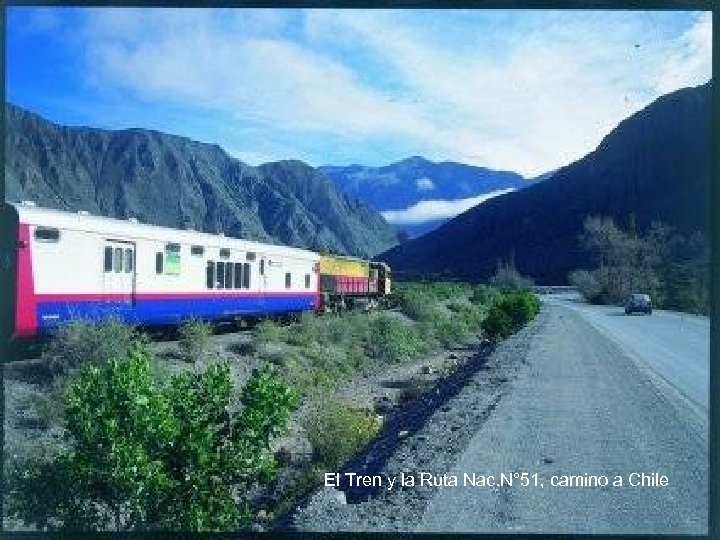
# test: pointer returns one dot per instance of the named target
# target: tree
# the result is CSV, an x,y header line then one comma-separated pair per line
x,y
508,278
151,456
671,268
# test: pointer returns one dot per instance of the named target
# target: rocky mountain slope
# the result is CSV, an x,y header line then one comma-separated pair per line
x,y
655,165
173,181
401,185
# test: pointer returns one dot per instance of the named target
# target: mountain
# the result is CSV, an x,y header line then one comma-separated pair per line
x,y
173,181
655,165
418,195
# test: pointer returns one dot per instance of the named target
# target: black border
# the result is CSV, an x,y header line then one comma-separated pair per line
x,y
705,5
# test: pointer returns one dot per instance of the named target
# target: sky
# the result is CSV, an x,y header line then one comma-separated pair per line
x,y
520,90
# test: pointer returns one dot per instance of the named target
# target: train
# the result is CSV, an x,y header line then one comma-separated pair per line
x,y
59,266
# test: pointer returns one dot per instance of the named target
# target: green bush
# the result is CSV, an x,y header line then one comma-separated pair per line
x,y
392,340
338,431
497,324
147,456
418,306
194,339
521,307
445,290
509,313
84,342
268,331
449,330
507,278
484,295
305,331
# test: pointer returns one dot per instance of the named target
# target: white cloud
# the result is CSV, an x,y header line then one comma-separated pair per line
x,y
432,210
529,98
689,64
542,99
195,61
424,184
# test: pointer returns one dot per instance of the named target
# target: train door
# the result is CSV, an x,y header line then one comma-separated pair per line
x,y
119,271
262,273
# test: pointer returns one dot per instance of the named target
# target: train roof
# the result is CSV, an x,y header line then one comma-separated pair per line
x,y
356,259
83,221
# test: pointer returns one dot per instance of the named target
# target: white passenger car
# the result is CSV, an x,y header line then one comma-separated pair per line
x,y
58,266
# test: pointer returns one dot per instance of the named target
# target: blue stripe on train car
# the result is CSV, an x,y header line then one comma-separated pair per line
x,y
171,310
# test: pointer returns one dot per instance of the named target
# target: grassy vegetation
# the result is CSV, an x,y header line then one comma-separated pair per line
x,y
314,356
323,351
194,339
180,454
509,313
337,431
87,342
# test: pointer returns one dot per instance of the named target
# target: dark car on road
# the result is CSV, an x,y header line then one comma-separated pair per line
x,y
638,302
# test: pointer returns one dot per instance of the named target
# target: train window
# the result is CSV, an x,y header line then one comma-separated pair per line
x,y
108,259
197,250
225,253
228,275
128,260
246,276
307,281
262,267
288,280
47,234
238,275
118,260
250,256
159,263
172,259
210,275
220,275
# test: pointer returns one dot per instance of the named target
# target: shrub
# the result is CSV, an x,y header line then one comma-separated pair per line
x,y
328,361
194,339
393,340
305,331
449,329
267,331
417,306
444,290
509,313
520,307
507,278
482,294
84,342
176,456
497,324
456,306
340,330
587,284
338,431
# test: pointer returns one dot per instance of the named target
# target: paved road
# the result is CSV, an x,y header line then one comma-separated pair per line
x,y
670,345
602,394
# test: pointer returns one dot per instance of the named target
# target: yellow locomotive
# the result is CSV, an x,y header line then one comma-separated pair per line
x,y
347,282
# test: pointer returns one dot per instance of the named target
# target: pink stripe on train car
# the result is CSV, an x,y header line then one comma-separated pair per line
x,y
99,297
25,301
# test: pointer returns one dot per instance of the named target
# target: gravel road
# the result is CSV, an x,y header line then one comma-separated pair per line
x,y
558,398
